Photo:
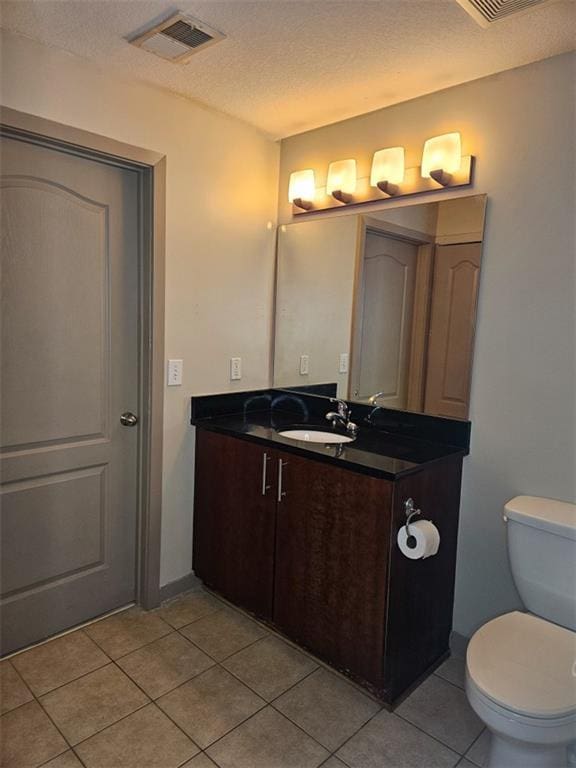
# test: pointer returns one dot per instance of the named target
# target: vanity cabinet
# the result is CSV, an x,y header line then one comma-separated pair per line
x,y
235,520
311,547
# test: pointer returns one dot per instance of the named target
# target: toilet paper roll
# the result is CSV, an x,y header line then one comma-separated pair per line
x,y
426,540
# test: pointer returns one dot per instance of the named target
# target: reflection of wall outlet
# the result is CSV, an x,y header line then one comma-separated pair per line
x,y
343,366
304,360
235,368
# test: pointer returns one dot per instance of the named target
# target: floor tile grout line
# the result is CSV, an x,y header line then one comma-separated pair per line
x,y
332,752
55,724
474,742
335,753
74,680
170,630
152,701
68,634
454,685
219,661
68,742
231,730
267,704
436,738
24,683
101,730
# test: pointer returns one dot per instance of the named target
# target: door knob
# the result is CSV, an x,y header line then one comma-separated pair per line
x,y
129,419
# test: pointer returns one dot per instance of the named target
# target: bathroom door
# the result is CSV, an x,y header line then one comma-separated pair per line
x,y
388,279
69,369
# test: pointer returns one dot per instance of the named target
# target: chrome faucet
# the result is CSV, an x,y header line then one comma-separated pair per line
x,y
372,399
342,417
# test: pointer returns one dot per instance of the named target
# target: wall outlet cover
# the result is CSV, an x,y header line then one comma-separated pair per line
x,y
235,368
175,368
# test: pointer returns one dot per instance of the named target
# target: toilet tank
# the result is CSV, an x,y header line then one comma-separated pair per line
x,y
542,550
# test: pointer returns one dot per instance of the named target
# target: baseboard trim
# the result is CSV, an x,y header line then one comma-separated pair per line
x,y
458,645
185,584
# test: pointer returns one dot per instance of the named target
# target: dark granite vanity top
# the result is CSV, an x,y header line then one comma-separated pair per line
x,y
389,445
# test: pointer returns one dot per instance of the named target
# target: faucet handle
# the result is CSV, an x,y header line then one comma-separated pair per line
x,y
342,407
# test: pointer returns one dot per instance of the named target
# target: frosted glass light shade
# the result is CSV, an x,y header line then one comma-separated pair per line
x,y
342,177
388,165
302,186
441,153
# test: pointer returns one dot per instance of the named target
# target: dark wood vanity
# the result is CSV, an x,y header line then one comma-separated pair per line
x,y
308,544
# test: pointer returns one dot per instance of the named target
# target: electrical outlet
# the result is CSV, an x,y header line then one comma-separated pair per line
x,y
175,372
304,360
343,365
235,368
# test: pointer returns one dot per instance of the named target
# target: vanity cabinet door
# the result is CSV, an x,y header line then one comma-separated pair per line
x,y
234,520
332,549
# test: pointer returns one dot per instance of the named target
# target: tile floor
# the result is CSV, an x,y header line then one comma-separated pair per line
x,y
197,684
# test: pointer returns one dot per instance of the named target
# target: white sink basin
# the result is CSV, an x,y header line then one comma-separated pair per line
x,y
315,436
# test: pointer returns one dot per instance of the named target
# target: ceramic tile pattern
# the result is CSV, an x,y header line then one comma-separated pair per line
x,y
197,684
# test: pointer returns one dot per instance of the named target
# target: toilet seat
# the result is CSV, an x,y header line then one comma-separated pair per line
x,y
525,667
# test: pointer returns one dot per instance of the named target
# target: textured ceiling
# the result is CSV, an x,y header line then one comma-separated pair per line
x,y
291,65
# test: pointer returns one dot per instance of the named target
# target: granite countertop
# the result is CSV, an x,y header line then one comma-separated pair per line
x,y
374,452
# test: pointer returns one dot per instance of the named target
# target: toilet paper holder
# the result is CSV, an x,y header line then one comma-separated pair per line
x,y
411,511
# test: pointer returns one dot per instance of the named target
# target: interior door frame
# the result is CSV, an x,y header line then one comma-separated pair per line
x,y
151,169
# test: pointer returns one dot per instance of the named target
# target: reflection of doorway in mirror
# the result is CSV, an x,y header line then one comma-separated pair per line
x,y
385,320
452,324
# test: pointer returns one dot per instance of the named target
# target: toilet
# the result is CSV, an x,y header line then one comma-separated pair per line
x,y
521,667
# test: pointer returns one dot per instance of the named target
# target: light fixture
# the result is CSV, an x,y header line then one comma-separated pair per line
x,y
341,183
388,169
441,157
302,189
442,166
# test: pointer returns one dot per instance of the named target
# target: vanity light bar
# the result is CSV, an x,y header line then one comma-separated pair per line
x,y
443,166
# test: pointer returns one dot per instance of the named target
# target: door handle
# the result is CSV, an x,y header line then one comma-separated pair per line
x,y
129,419
281,464
265,460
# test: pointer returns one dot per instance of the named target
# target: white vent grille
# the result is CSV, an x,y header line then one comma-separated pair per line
x,y
486,12
177,38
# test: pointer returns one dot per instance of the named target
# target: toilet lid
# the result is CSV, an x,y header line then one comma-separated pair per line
x,y
525,664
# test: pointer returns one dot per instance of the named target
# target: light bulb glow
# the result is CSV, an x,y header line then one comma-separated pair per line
x,y
302,186
388,165
441,153
342,177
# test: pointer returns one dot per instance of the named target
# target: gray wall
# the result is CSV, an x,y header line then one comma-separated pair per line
x,y
520,125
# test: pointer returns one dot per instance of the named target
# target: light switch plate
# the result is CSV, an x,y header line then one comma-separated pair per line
x,y
235,368
304,365
343,366
175,372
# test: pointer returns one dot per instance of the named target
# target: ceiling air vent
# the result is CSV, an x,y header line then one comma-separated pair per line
x,y
486,12
177,38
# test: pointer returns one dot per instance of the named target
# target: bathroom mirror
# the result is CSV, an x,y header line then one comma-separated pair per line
x,y
382,304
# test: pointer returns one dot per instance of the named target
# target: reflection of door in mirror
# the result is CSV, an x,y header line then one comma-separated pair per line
x,y
385,320
452,323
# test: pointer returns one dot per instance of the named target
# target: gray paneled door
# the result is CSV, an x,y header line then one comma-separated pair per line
x,y
69,369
